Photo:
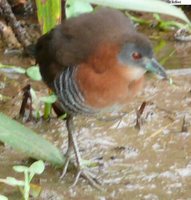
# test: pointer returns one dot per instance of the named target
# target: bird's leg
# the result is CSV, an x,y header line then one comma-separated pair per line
x,y
69,150
81,169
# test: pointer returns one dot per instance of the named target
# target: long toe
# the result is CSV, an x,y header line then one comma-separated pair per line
x,y
87,175
68,160
66,164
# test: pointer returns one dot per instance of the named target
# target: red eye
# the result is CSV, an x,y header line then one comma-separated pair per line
x,y
136,55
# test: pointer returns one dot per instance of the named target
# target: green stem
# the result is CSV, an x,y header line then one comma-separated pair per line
x,y
47,110
26,186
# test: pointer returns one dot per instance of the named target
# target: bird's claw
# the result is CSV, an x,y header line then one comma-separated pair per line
x,y
86,174
82,171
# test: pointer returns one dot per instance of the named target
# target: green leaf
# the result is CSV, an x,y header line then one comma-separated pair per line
x,y
49,13
12,181
153,6
20,168
37,167
75,7
34,73
28,142
49,99
3,197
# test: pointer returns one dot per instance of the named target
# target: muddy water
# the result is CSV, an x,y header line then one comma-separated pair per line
x,y
152,163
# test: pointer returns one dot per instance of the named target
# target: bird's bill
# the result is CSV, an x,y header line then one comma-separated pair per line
x,y
153,66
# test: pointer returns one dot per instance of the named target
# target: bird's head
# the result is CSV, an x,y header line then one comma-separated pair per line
x,y
136,53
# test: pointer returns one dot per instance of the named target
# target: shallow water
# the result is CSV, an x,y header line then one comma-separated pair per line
x,y
149,164
153,163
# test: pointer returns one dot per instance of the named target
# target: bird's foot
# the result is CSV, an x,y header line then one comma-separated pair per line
x,y
83,171
85,163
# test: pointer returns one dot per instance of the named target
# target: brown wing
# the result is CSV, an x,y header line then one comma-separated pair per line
x,y
72,42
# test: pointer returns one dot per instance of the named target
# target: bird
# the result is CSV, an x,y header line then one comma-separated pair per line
x,y
95,63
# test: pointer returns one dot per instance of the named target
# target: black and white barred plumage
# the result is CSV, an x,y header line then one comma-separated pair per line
x,y
69,94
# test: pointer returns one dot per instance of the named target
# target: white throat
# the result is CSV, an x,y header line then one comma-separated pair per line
x,y
136,73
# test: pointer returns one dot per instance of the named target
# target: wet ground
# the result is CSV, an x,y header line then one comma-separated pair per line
x,y
153,163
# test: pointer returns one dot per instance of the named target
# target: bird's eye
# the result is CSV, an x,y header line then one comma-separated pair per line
x,y
136,55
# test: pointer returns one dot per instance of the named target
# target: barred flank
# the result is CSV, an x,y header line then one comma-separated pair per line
x,y
69,94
